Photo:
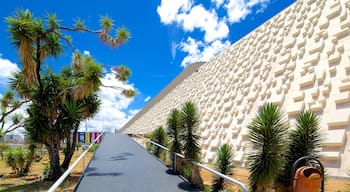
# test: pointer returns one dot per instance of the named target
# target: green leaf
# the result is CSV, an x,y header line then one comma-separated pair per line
x,y
123,35
79,24
106,23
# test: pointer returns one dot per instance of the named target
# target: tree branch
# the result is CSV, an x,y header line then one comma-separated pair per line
x,y
80,29
113,87
2,119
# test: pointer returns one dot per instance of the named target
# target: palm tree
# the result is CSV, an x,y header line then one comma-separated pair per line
x,y
174,129
224,164
52,96
191,148
267,135
305,140
159,136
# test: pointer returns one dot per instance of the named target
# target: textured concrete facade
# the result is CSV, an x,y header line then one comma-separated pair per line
x,y
299,59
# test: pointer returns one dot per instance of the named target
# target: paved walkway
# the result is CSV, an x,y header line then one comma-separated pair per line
x,y
120,164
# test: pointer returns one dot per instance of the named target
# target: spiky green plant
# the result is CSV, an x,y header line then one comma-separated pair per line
x,y
21,156
267,134
224,164
10,159
159,136
3,148
174,129
305,140
191,148
190,121
59,102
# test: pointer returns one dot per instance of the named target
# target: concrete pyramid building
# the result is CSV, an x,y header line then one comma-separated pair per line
x,y
299,59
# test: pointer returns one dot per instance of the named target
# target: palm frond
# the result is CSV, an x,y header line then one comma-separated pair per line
x,y
122,36
121,72
106,23
79,23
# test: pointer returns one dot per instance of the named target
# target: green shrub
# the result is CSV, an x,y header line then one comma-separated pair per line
x,y
223,164
16,159
158,136
93,147
78,145
46,168
3,148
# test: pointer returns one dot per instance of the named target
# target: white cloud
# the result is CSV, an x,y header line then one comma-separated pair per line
x,y
218,3
200,51
112,114
190,17
147,99
169,9
6,68
87,53
237,10
206,21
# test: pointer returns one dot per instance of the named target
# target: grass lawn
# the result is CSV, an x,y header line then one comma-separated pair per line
x,y
23,185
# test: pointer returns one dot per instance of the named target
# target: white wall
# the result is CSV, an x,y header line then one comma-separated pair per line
x,y
300,59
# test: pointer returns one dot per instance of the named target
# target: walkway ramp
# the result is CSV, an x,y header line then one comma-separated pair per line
x,y
122,165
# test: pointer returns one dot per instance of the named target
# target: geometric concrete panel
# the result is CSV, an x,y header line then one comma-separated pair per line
x,y
334,138
339,118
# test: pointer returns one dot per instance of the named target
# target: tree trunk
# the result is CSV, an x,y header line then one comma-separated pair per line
x,y
54,156
29,161
70,151
196,178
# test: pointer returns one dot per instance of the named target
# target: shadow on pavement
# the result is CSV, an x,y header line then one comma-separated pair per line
x,y
121,156
105,174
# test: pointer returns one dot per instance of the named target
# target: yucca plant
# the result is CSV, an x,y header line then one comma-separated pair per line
x,y
174,129
191,148
159,136
3,148
21,156
10,159
267,134
305,140
224,164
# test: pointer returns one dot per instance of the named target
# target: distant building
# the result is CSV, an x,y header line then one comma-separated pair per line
x,y
13,138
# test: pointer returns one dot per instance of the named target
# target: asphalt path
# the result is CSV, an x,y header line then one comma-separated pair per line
x,y
122,165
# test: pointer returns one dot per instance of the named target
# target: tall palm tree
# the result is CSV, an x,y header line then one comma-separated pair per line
x,y
191,148
174,129
36,39
224,164
267,135
305,140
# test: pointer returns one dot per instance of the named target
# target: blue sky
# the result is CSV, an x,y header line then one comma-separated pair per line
x,y
167,35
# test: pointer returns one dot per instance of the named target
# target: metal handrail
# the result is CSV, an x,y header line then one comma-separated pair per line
x,y
229,179
70,169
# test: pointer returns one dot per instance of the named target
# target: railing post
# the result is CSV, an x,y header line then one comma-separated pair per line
x,y
174,162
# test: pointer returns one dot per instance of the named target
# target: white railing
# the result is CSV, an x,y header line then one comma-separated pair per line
x,y
229,179
70,169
